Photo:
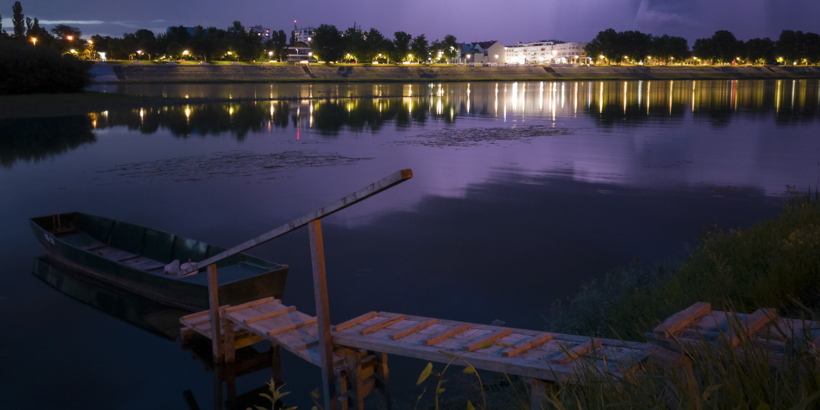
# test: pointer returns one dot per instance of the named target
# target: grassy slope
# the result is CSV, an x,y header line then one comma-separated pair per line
x,y
775,263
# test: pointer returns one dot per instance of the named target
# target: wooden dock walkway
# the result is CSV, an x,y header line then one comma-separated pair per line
x,y
353,355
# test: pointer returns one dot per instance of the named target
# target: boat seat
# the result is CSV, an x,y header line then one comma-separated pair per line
x,y
143,263
115,254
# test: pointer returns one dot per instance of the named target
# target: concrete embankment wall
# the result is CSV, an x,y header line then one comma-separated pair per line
x,y
416,73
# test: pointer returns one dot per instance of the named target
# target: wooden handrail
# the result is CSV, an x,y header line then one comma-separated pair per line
x,y
358,196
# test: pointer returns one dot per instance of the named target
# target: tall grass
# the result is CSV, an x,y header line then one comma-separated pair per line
x,y
775,263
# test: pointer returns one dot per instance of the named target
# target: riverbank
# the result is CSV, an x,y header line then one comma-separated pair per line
x,y
322,73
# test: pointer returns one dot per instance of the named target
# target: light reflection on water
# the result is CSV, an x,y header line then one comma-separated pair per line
x,y
492,230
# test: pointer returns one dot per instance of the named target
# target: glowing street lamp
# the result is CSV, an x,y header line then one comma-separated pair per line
x,y
229,53
34,40
90,42
69,38
73,51
185,52
270,53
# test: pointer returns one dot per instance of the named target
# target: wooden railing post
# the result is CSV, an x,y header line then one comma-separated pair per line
x,y
317,253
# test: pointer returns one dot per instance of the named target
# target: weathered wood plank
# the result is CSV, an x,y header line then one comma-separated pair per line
x,y
682,319
492,337
271,314
527,344
413,329
751,324
442,336
578,350
358,196
355,321
250,304
274,332
379,326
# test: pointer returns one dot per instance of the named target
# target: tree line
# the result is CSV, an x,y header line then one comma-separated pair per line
x,y
792,47
355,45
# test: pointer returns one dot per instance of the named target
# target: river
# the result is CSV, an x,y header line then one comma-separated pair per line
x,y
522,192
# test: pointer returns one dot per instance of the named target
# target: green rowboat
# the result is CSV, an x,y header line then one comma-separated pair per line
x,y
134,258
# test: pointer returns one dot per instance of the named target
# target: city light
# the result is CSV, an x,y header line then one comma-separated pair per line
x,y
229,53
34,40
602,56
270,53
185,52
73,50
90,42
69,38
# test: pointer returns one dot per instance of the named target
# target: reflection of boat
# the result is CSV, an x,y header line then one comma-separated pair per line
x,y
133,257
131,308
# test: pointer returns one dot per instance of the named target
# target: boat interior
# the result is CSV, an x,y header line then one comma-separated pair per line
x,y
144,248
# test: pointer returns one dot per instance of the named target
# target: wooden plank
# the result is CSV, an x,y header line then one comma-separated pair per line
x,y
250,304
379,326
492,337
204,313
317,254
355,321
351,199
213,299
751,324
271,314
442,336
578,350
527,344
413,329
682,319
297,325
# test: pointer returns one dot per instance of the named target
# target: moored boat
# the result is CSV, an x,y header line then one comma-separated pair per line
x,y
134,258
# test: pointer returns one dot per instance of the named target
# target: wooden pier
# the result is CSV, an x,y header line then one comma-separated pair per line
x,y
353,355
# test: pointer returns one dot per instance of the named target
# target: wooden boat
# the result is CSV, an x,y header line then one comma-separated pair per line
x,y
134,257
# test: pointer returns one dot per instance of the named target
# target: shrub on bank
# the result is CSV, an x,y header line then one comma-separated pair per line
x,y
774,264
28,69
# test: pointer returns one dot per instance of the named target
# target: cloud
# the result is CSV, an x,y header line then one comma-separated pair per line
x,y
124,23
653,19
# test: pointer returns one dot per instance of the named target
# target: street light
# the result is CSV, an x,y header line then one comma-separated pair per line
x,y
139,53
185,52
73,51
270,53
69,38
34,40
229,53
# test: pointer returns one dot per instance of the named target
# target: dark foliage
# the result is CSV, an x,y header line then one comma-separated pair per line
x,y
26,69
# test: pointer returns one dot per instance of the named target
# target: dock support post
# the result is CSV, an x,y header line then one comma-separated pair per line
x,y
213,299
538,393
383,381
317,253
275,364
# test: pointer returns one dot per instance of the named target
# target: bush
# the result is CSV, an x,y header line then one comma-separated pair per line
x,y
28,69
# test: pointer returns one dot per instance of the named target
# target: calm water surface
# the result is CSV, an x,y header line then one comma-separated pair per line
x,y
522,191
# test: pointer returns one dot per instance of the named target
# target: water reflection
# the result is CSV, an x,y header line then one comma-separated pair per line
x,y
329,108
29,139
163,321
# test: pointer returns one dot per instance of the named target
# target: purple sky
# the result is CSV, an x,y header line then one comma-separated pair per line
x,y
508,22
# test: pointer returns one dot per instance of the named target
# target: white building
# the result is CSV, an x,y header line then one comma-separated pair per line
x,y
304,34
263,32
547,52
482,52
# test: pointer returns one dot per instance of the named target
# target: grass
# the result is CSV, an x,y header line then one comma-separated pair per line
x,y
775,263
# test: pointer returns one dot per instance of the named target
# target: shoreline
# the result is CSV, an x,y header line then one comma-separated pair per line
x,y
107,74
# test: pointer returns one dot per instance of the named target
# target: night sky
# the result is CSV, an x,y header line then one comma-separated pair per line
x,y
509,21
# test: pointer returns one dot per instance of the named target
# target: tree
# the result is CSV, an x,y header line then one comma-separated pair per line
x,y
401,46
374,44
354,44
607,44
63,31
760,50
669,48
449,47
277,46
18,21
721,47
327,44
419,48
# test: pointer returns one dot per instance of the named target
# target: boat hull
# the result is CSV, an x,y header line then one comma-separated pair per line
x,y
165,289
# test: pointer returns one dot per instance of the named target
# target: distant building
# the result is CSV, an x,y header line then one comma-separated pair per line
x,y
304,34
299,54
263,32
482,52
547,52
190,30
